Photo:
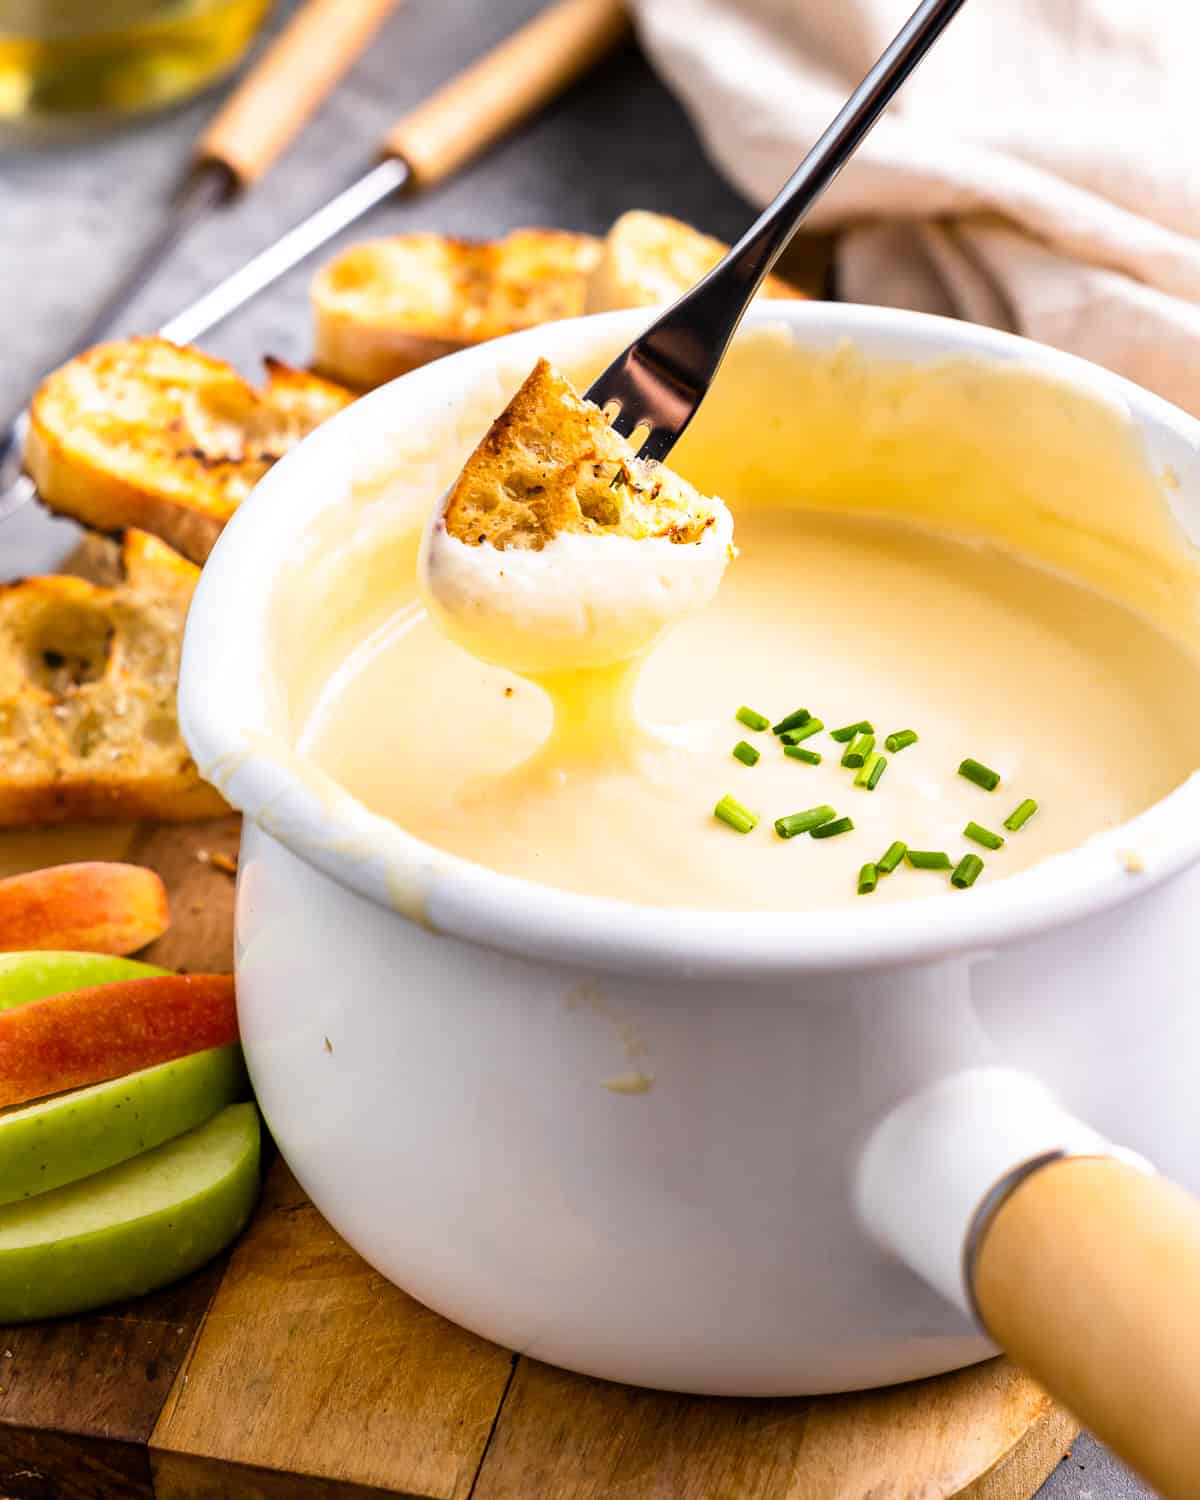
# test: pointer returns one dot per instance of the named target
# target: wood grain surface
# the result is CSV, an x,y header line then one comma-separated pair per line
x,y
290,1370
499,90
291,79
578,1439
327,1370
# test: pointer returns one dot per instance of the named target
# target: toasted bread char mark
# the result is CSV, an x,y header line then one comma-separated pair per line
x,y
88,677
551,463
143,433
649,258
383,307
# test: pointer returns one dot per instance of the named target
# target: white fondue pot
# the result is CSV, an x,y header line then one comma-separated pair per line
x,y
873,1131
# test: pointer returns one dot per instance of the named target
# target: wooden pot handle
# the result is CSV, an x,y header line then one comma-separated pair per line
x,y
287,84
1089,1276
510,82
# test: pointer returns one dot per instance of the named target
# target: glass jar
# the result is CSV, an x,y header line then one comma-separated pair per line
x,y
66,65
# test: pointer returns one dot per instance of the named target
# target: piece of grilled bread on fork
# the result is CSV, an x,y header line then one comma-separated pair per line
x,y
149,434
551,463
88,676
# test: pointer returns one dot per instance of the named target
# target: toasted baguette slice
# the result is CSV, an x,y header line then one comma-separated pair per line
x,y
386,306
87,695
145,433
650,258
550,463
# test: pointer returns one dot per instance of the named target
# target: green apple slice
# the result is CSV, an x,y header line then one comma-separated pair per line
x,y
133,1228
58,1140
34,976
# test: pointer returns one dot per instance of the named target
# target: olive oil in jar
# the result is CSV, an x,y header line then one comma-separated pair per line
x,y
67,64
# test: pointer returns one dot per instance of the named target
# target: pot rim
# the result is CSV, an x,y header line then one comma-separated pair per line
x,y
229,728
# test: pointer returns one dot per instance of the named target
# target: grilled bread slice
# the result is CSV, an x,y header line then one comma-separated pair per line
x,y
145,433
550,463
386,306
650,258
88,675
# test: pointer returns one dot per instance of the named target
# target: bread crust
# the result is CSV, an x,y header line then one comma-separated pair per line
x,y
651,258
147,434
383,307
88,678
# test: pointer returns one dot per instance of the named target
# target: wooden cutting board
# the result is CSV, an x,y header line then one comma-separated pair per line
x,y
289,1370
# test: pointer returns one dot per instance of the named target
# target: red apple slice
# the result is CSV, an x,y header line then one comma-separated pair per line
x,y
87,1036
94,908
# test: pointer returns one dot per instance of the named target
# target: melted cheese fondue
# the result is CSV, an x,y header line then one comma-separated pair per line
x,y
967,548
605,782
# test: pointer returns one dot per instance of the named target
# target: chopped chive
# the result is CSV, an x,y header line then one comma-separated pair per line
x,y
868,879
980,774
872,769
804,732
747,754
793,721
803,822
848,731
1019,816
857,752
928,859
831,830
967,871
798,752
751,719
900,741
895,853
983,836
731,811
864,773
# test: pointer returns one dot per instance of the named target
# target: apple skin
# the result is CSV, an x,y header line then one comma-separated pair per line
x,y
86,1036
133,1228
46,1145
34,975
95,907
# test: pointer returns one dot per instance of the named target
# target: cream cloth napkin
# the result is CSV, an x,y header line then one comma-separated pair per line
x,y
1040,172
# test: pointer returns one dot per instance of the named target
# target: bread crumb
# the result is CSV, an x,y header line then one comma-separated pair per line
x,y
203,856
1132,862
629,1083
223,862
328,1045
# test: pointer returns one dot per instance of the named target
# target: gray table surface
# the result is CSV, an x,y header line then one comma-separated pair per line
x,y
72,214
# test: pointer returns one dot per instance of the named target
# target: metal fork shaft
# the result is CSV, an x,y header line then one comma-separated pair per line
x,y
663,376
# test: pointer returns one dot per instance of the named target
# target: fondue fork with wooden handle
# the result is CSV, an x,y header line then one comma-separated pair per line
x,y
451,128
657,384
263,115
